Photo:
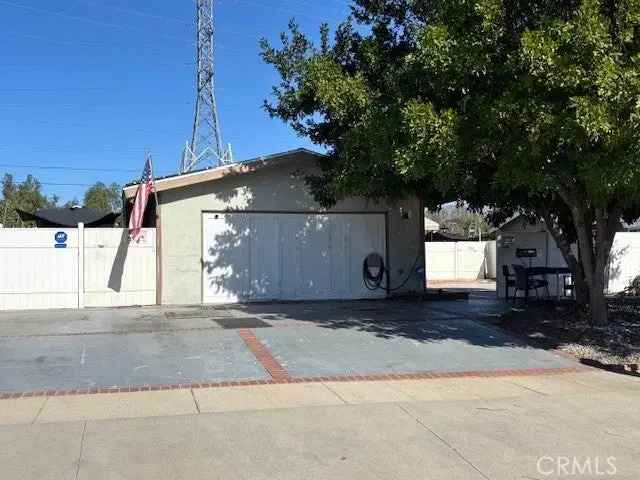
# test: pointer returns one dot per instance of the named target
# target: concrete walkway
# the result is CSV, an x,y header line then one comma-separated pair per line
x,y
515,427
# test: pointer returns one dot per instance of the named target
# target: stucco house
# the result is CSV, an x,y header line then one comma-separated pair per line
x,y
251,231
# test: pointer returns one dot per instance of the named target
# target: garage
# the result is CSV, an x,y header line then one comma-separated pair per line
x,y
288,256
251,231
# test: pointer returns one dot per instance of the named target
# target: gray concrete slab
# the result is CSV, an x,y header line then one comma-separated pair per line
x,y
40,452
531,437
83,361
524,437
364,442
397,347
151,319
167,345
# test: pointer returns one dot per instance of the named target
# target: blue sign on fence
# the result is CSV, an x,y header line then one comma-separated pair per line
x,y
61,239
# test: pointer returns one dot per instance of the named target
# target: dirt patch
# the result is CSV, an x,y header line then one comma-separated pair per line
x,y
615,346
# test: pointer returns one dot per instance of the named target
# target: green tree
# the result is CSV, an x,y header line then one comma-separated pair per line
x,y
460,220
104,198
521,105
26,196
74,202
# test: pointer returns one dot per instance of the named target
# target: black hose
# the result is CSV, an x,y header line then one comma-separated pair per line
x,y
371,281
374,282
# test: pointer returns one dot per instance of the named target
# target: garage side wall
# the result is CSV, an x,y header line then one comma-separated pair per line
x,y
275,189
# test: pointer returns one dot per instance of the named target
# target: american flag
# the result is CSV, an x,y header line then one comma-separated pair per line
x,y
142,197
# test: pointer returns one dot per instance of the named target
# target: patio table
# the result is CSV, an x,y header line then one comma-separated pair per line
x,y
544,271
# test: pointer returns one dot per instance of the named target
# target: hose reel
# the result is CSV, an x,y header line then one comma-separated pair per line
x,y
374,271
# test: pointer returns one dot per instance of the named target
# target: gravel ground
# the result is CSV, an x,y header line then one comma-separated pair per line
x,y
560,327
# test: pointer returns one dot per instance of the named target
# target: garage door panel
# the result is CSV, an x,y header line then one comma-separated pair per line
x,y
265,258
364,237
262,256
227,249
290,254
315,250
340,268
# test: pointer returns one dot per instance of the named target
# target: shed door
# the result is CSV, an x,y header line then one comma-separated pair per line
x,y
294,256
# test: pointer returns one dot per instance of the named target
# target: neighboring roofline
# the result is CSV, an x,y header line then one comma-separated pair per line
x,y
170,182
634,227
36,217
509,222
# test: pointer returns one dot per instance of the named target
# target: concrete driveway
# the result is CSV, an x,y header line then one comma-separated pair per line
x,y
84,351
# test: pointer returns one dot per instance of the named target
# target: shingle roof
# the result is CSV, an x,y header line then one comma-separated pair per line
x,y
206,175
68,217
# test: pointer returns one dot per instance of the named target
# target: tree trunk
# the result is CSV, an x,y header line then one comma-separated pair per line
x,y
581,288
594,249
597,300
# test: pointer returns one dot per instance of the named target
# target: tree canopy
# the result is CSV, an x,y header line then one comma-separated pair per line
x,y
26,196
104,198
521,105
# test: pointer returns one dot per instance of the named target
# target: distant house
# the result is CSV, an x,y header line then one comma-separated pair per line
x,y
69,217
430,225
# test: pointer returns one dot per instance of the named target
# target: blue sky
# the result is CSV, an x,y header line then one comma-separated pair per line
x,y
95,83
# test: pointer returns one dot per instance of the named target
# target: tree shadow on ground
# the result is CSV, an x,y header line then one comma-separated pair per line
x,y
615,346
417,320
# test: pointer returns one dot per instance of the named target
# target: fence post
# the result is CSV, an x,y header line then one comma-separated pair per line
x,y
455,260
81,265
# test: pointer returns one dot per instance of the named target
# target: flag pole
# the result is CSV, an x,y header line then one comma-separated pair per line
x,y
158,237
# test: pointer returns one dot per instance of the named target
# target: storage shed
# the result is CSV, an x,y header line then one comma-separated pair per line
x,y
529,244
251,231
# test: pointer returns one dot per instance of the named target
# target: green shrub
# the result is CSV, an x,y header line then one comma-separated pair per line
x,y
633,289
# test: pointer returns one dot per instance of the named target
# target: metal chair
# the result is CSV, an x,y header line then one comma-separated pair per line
x,y
524,283
509,281
568,285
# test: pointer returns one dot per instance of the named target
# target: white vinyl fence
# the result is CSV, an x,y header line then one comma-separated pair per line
x,y
624,264
75,267
460,260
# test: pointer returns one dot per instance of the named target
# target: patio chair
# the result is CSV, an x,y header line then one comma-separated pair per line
x,y
525,283
509,281
568,286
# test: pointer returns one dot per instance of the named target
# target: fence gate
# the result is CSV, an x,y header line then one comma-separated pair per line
x,y
75,267
460,260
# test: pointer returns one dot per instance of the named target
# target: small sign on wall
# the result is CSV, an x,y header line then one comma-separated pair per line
x,y
61,240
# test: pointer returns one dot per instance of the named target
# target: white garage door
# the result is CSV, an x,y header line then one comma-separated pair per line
x,y
280,256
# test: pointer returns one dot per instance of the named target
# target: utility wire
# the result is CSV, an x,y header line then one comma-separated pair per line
x,y
60,89
288,10
75,169
90,20
54,184
138,12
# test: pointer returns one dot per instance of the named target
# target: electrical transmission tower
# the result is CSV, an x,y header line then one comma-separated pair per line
x,y
206,148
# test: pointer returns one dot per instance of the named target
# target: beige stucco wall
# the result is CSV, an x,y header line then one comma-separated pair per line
x,y
275,188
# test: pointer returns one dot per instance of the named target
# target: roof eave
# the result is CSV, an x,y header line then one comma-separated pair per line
x,y
194,178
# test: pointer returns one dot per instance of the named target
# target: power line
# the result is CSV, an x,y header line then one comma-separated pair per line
x,y
60,14
72,169
97,65
288,10
23,182
73,105
76,44
89,20
60,89
140,13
